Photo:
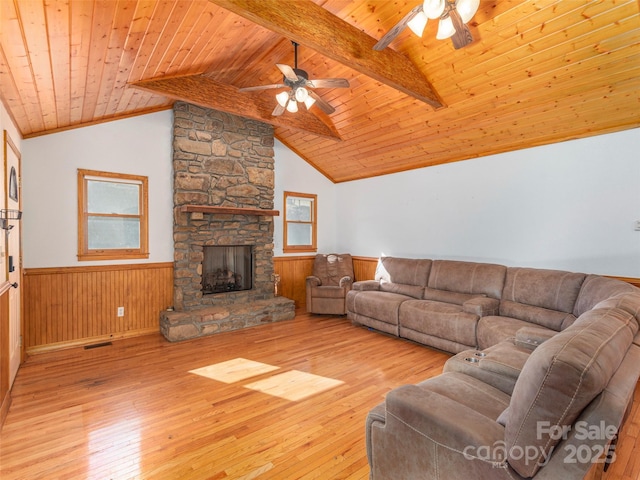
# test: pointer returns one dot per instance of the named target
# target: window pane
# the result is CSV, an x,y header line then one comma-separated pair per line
x,y
109,233
299,209
298,234
112,197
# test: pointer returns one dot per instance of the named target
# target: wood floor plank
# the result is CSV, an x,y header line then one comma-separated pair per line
x,y
134,409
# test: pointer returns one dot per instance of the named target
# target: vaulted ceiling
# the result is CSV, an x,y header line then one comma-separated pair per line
x,y
538,72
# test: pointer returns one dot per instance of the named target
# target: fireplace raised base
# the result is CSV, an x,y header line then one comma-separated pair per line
x,y
201,322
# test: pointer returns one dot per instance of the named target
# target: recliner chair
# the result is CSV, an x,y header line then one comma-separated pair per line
x,y
328,286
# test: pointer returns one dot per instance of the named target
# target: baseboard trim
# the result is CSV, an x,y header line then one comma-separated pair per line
x,y
90,341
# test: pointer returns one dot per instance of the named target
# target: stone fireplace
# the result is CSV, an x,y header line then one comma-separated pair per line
x,y
223,225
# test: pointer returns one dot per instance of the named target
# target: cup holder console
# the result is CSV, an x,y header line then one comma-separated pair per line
x,y
480,354
471,360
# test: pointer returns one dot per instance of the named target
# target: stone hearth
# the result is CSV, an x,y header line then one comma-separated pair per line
x,y
226,161
205,321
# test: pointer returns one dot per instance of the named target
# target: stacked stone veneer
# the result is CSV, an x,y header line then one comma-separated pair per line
x,y
220,159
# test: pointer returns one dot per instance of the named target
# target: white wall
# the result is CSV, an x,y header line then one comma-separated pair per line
x,y
138,145
292,174
571,205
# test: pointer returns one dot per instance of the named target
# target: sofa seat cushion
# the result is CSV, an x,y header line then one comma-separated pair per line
x,y
439,319
328,292
382,306
495,329
561,377
468,392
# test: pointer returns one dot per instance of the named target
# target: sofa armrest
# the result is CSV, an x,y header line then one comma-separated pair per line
x,y
346,282
313,281
531,337
365,285
482,306
449,424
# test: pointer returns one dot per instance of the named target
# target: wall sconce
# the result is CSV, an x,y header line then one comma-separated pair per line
x,y
6,215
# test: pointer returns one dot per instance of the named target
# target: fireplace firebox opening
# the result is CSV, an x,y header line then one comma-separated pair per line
x,y
227,268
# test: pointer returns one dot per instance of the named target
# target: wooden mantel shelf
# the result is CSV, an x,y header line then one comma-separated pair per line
x,y
228,210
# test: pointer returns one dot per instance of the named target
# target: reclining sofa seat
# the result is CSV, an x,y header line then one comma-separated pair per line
x,y
566,358
544,298
457,295
376,303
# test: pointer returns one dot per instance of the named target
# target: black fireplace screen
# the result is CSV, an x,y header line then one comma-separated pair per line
x,y
227,269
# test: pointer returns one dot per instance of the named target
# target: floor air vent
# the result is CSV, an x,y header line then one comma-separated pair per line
x,y
97,345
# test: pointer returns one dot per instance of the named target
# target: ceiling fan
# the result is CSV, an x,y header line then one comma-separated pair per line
x,y
453,15
299,88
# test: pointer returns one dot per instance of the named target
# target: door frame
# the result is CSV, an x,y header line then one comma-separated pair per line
x,y
4,241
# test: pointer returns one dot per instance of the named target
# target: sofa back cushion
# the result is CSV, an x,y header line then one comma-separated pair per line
x,y
544,297
467,277
408,271
560,378
629,302
330,268
595,289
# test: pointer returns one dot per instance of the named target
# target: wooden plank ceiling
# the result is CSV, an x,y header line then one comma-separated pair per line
x,y
538,72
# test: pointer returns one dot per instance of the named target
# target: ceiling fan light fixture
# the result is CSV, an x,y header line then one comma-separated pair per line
x,y
433,8
467,9
417,23
292,106
301,94
445,28
282,98
309,101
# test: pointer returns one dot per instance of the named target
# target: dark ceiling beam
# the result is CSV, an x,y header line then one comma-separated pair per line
x,y
204,91
308,24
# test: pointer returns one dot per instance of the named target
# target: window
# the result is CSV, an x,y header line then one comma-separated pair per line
x,y
112,216
299,222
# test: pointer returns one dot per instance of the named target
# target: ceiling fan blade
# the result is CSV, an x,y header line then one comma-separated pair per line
x,y
323,105
463,36
262,87
288,72
328,83
279,110
397,28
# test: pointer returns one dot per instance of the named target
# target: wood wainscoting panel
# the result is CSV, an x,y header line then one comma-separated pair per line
x,y
293,273
364,268
72,306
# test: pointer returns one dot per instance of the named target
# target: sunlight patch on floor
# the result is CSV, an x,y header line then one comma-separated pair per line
x,y
294,385
234,370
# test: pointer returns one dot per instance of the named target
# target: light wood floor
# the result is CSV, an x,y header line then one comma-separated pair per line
x,y
134,410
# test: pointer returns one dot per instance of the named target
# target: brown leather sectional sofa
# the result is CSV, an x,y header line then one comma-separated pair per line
x,y
544,371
